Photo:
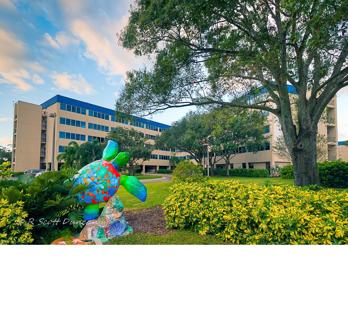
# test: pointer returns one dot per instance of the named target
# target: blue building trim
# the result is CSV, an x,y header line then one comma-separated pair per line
x,y
341,143
93,107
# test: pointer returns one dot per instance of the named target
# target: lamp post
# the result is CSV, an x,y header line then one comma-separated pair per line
x,y
207,144
54,116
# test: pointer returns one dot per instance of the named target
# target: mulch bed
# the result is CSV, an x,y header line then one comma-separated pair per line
x,y
147,220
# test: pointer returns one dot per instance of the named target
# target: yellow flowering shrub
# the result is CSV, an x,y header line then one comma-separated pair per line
x,y
254,214
13,227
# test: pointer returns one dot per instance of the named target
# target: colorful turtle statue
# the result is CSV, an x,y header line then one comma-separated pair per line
x,y
99,182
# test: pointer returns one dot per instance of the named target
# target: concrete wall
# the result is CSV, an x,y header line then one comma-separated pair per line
x,y
26,136
342,152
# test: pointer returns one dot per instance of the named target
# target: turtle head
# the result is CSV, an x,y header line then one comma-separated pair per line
x,y
110,151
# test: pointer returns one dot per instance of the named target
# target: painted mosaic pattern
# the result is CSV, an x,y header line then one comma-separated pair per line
x,y
101,179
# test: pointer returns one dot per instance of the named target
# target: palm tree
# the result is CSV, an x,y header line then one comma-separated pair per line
x,y
90,151
71,156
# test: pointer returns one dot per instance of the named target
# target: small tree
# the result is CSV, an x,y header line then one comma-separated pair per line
x,y
133,142
90,151
5,155
188,135
235,129
71,156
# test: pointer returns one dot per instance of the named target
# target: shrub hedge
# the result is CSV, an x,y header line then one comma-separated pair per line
x,y
333,174
186,171
13,227
241,172
254,214
249,172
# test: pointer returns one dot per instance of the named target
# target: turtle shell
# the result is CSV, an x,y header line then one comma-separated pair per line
x,y
101,179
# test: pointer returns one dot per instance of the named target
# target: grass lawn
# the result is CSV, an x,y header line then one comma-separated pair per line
x,y
156,193
246,180
147,176
172,237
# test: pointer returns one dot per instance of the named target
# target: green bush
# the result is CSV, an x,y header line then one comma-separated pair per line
x,y
334,174
164,171
255,214
186,171
287,172
9,183
14,229
241,172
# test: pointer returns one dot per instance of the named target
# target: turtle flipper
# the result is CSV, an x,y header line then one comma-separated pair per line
x,y
121,159
91,212
110,150
134,186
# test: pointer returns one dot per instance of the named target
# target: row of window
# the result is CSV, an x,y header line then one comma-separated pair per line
x,y
166,157
105,116
93,138
68,107
72,136
101,115
72,122
150,136
98,127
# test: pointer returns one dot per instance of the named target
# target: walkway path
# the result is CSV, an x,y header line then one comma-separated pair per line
x,y
164,178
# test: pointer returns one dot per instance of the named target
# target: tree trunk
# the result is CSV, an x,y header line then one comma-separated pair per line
x,y
304,158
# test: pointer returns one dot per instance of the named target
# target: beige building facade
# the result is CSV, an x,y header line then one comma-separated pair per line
x,y
41,132
268,158
342,151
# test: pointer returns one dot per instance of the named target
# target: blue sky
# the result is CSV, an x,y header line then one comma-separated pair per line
x,y
70,47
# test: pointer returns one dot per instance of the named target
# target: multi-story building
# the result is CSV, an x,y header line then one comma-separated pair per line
x,y
268,157
41,132
342,150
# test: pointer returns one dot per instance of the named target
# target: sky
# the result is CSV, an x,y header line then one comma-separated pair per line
x,y
70,47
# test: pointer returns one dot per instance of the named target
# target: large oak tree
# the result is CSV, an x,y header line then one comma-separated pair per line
x,y
242,53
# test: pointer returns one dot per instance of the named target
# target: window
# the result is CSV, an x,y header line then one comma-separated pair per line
x,y
72,136
163,157
154,156
70,108
266,129
61,148
72,122
93,138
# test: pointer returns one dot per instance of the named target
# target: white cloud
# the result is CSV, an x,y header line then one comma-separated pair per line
x,y
102,48
15,66
8,4
96,26
60,40
72,82
5,119
37,79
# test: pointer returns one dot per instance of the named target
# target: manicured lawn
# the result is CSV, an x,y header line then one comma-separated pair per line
x,y
246,180
156,193
147,176
172,237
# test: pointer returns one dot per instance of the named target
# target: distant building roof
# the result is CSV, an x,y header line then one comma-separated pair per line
x,y
90,106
